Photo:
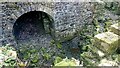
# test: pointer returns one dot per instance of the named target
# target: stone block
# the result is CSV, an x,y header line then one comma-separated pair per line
x,y
96,51
115,28
107,42
89,59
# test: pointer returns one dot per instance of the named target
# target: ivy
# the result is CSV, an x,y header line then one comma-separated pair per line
x,y
59,45
46,56
57,59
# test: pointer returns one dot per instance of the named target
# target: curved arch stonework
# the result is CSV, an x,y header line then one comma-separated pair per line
x,y
12,11
69,17
22,11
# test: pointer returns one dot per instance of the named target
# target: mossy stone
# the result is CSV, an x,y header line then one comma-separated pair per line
x,y
107,42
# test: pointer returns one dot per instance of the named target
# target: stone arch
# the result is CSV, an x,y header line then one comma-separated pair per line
x,y
17,13
33,23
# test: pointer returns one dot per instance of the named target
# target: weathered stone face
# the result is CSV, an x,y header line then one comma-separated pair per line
x,y
69,17
115,28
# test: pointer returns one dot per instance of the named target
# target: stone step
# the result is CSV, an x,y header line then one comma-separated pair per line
x,y
89,59
96,51
115,28
107,42
88,54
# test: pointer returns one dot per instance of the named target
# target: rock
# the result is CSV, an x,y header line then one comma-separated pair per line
x,y
105,62
88,55
96,51
107,42
115,28
101,54
7,54
12,53
89,59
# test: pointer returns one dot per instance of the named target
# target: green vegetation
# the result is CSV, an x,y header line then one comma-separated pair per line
x,y
89,54
8,56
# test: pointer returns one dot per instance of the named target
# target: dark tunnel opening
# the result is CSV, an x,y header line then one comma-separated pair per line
x,y
32,24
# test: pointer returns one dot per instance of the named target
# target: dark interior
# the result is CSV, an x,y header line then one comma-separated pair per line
x,y
30,24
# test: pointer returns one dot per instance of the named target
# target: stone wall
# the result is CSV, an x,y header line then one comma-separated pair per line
x,y
69,17
11,12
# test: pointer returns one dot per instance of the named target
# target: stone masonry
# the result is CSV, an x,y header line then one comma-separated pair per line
x,y
69,17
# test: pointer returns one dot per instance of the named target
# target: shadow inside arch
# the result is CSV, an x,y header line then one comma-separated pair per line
x,y
33,28
32,24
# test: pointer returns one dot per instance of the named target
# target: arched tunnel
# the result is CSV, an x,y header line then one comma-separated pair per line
x,y
32,24
33,30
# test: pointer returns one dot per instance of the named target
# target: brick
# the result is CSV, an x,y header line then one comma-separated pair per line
x,y
107,42
115,28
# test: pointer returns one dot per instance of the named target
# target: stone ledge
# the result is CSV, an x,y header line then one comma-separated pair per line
x,y
96,51
107,42
115,28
